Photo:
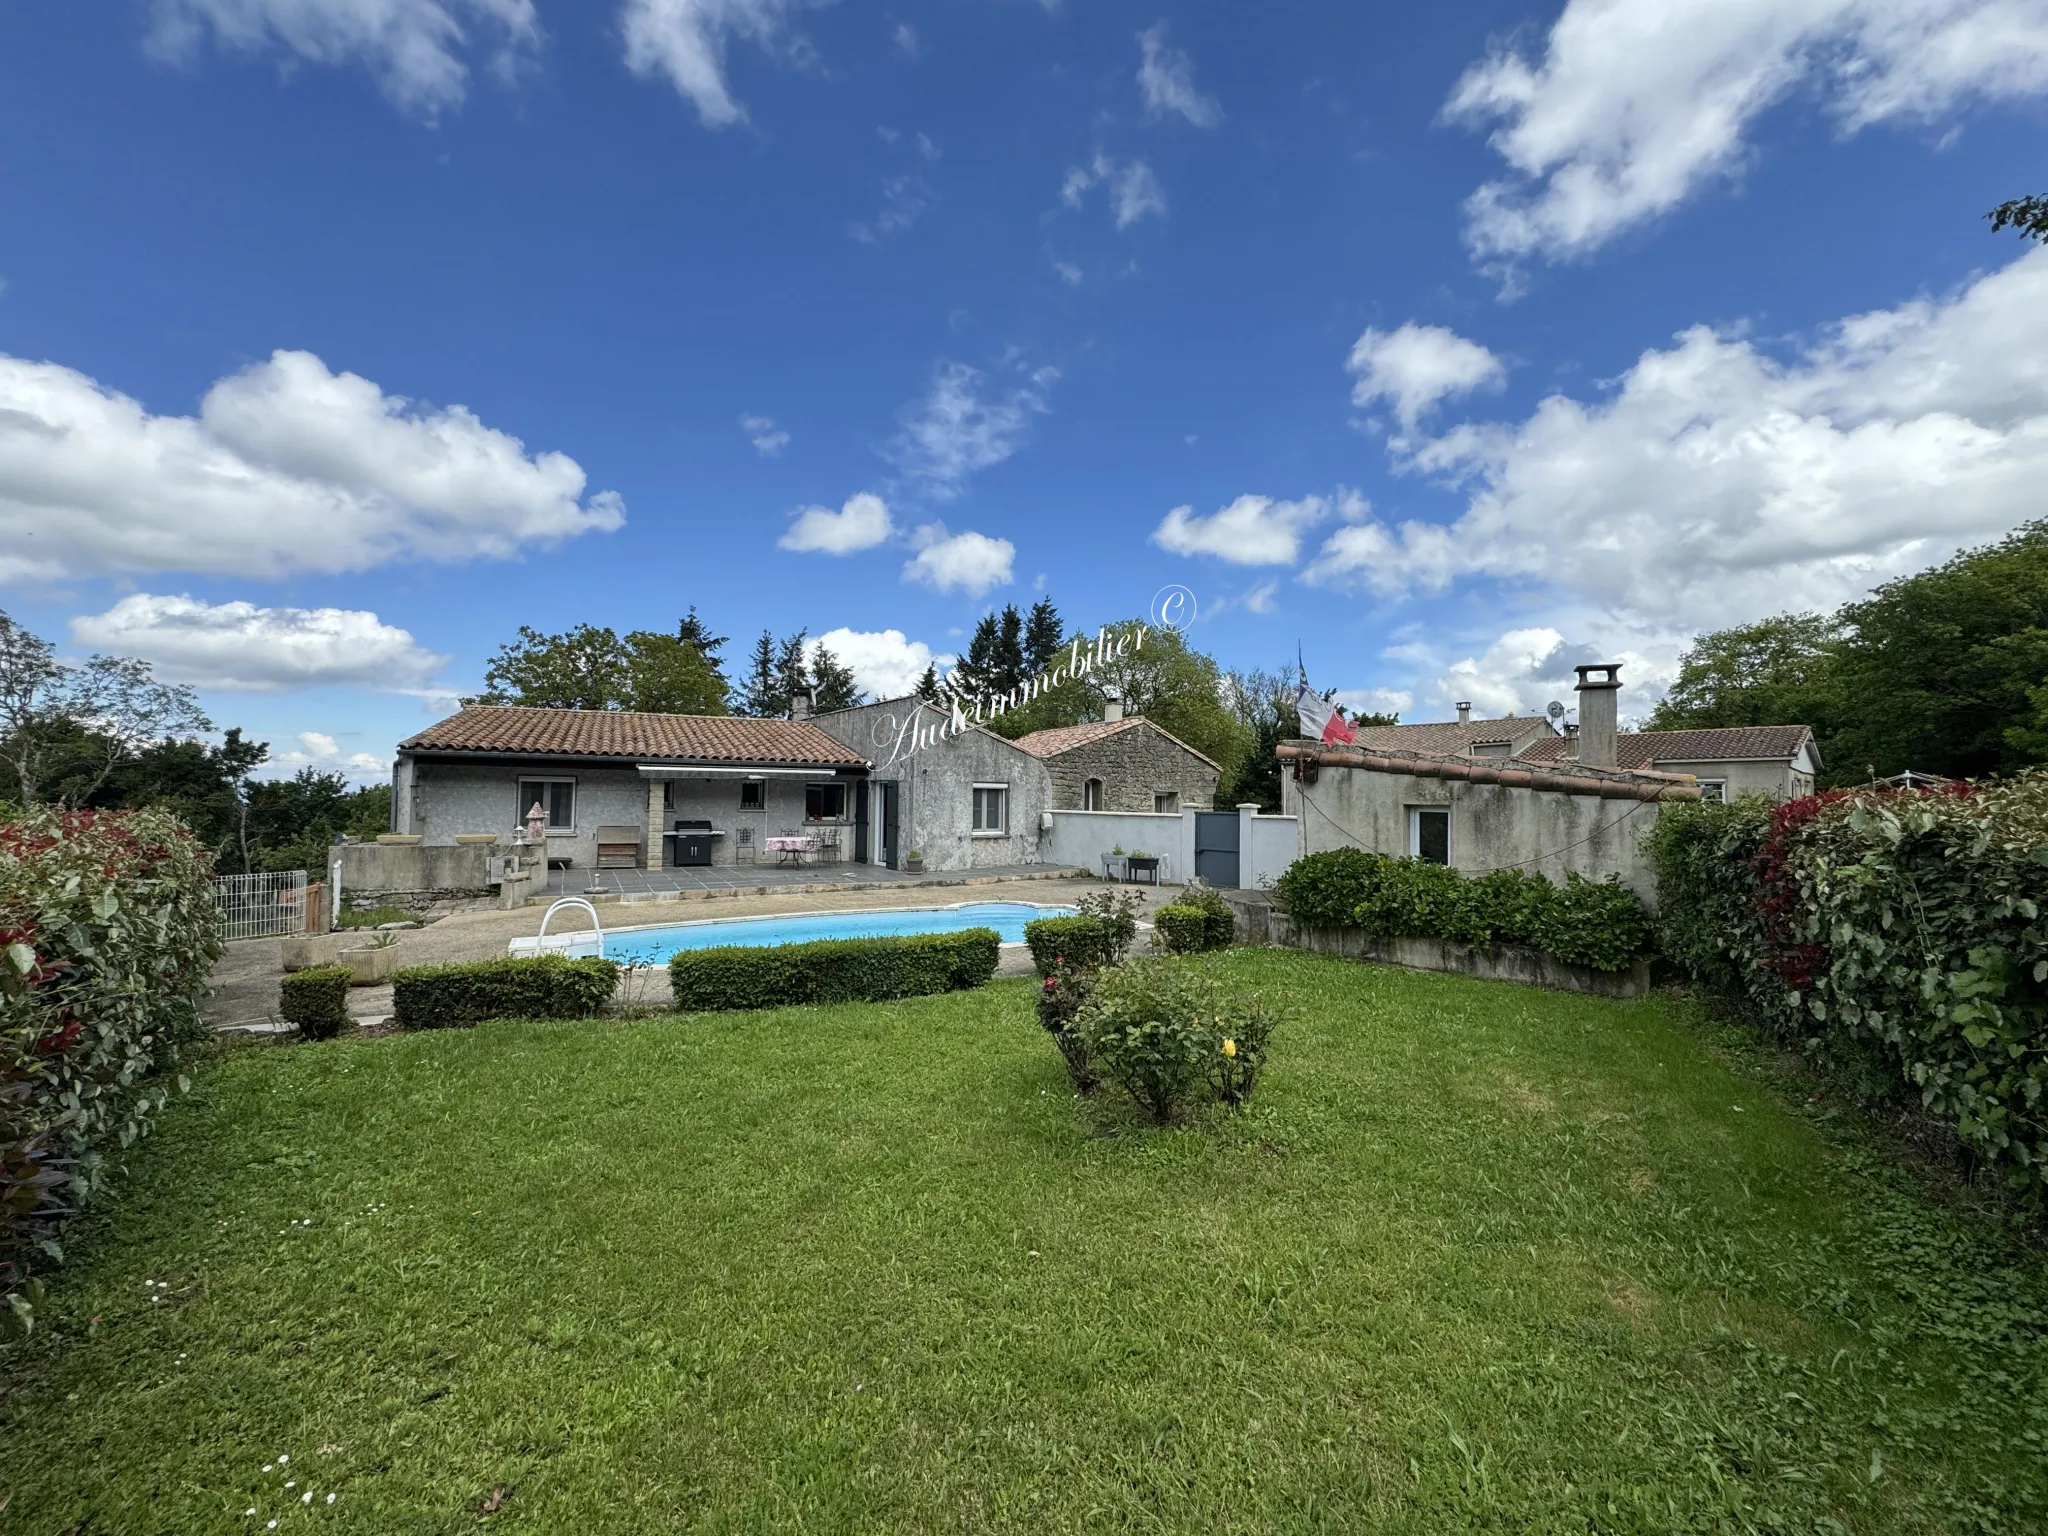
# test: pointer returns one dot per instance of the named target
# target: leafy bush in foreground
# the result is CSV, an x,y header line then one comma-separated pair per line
x,y
1100,933
316,999
1599,924
1323,890
1167,1035
1898,933
1061,996
1199,919
107,934
528,987
832,970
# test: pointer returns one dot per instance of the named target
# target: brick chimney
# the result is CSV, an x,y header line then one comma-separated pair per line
x,y
800,704
1464,711
1598,715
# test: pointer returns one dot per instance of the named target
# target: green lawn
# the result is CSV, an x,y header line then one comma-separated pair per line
x,y
1479,1258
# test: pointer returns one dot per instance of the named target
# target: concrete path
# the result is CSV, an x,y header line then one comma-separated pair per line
x,y
244,991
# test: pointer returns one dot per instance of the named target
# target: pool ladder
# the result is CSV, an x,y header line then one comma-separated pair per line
x,y
596,923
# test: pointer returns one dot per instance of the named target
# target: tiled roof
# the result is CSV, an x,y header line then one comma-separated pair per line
x,y
1645,749
1064,738
625,734
1447,735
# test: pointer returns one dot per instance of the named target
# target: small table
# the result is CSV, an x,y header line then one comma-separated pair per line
x,y
790,850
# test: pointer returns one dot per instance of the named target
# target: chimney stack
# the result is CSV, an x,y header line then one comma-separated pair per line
x,y
1464,711
800,704
1113,710
1598,714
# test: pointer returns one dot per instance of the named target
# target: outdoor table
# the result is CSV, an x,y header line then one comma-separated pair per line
x,y
790,850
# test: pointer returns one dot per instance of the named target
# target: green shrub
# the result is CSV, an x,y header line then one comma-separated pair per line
x,y
533,987
1410,899
1899,933
316,999
832,970
1323,890
107,935
1599,924
1168,1036
1180,929
1505,907
1061,996
1082,941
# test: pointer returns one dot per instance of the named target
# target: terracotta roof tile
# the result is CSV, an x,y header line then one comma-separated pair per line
x,y
625,734
1448,735
1064,738
1645,749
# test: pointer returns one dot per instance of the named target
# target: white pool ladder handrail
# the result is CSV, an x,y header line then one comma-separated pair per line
x,y
597,923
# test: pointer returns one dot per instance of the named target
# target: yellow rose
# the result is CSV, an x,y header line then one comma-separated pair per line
x,y
1230,1047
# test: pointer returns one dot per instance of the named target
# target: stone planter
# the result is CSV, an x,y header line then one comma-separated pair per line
x,y
398,839
303,952
371,965
913,865
473,839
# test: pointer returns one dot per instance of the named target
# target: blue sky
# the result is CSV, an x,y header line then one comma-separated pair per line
x,y
1457,344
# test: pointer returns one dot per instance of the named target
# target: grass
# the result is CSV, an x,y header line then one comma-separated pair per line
x,y
1479,1258
376,917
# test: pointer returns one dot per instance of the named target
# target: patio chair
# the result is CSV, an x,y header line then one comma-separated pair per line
x,y
744,849
828,845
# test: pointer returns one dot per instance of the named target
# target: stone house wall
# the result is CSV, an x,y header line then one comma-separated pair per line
x,y
1134,764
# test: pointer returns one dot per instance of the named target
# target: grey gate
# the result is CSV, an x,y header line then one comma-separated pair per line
x,y
1216,848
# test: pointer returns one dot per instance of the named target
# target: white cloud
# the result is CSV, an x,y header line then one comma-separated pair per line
x,y
904,200
1252,530
906,39
1417,366
1717,484
1636,103
415,48
886,663
685,40
1376,701
240,647
862,523
767,438
319,750
287,468
959,562
1068,273
967,422
1166,79
1133,190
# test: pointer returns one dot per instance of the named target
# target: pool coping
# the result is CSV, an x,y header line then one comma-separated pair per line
x,y
768,917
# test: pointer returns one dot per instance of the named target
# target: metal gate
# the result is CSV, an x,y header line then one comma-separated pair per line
x,y
260,906
1216,848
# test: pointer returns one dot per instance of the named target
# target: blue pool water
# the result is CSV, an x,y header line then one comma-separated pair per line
x,y
655,945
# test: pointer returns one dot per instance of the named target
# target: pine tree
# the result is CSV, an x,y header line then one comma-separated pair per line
x,y
928,685
1044,634
696,634
792,676
976,672
762,697
1009,651
833,683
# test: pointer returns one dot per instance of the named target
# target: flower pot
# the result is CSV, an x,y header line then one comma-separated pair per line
x,y
913,865
371,965
398,839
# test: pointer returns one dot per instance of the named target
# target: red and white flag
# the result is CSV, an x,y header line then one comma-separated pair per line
x,y
1320,718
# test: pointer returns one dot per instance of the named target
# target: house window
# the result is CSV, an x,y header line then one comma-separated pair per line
x,y
1091,795
1802,785
824,802
753,795
1429,834
1714,791
1166,802
991,809
556,796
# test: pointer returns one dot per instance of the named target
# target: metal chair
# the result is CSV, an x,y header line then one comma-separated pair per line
x,y
744,849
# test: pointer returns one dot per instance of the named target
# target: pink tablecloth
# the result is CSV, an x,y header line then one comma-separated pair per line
x,y
789,844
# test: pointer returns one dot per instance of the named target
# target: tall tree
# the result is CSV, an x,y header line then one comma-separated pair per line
x,y
995,659
694,632
928,687
89,715
792,673
1778,671
1044,634
832,685
590,667
762,699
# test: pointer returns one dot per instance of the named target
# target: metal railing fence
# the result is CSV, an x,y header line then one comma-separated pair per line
x,y
260,906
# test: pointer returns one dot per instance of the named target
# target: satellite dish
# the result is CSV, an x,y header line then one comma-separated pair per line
x,y
1555,711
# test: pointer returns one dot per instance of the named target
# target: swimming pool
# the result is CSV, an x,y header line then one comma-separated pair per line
x,y
655,945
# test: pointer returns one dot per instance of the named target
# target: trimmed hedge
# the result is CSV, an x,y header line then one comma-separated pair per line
x,y
1900,936
1599,924
316,999
536,987
1200,920
1086,942
832,970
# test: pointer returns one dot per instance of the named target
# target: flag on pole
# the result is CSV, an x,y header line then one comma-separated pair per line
x,y
1319,717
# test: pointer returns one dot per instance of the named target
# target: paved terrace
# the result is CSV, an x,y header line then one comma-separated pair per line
x,y
762,879
244,989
